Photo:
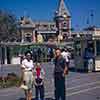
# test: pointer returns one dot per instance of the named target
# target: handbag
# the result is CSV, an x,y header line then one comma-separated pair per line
x,y
24,87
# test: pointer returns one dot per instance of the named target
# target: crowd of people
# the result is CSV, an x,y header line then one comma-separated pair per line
x,y
33,75
40,54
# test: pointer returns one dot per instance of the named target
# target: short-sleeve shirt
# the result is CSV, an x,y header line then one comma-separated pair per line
x,y
27,65
42,73
40,76
60,65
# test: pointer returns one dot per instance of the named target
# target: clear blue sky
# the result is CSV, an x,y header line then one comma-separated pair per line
x,y
44,10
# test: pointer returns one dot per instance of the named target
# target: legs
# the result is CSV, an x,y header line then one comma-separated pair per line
x,y
39,90
42,92
36,92
28,94
63,92
60,88
57,94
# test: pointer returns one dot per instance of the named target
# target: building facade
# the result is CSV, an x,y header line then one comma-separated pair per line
x,y
61,24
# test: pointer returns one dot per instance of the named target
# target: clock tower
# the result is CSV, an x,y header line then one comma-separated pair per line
x,y
63,19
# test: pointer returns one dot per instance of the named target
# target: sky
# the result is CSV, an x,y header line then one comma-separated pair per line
x,y
44,10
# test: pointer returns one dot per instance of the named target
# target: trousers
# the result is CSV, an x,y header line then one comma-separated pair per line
x,y
59,87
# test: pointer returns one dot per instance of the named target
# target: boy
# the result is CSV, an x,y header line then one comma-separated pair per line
x,y
39,81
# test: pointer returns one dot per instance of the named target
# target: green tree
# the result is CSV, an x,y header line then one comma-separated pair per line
x,y
8,27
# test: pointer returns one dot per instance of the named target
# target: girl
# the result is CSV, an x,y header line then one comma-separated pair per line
x,y
39,81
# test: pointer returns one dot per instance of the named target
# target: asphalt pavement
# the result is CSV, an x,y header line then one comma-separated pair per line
x,y
79,86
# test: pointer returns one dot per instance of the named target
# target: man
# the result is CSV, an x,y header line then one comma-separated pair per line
x,y
60,72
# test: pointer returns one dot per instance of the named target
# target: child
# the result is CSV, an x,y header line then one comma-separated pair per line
x,y
39,82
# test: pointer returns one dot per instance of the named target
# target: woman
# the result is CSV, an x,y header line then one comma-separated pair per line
x,y
27,68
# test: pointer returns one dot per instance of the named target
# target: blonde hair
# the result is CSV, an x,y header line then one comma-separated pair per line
x,y
38,64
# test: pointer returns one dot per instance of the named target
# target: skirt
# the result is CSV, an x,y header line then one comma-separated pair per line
x,y
28,79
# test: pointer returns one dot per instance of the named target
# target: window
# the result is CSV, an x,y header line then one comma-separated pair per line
x,y
65,30
45,26
78,48
98,47
52,27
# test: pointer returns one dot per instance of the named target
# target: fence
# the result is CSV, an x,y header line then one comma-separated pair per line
x,y
12,53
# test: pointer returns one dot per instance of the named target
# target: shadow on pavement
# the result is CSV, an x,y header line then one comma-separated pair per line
x,y
34,99
78,70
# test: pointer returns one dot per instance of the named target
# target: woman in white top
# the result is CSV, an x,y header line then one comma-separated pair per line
x,y
66,55
27,68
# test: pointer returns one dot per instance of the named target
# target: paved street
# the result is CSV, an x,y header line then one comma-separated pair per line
x,y
79,86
